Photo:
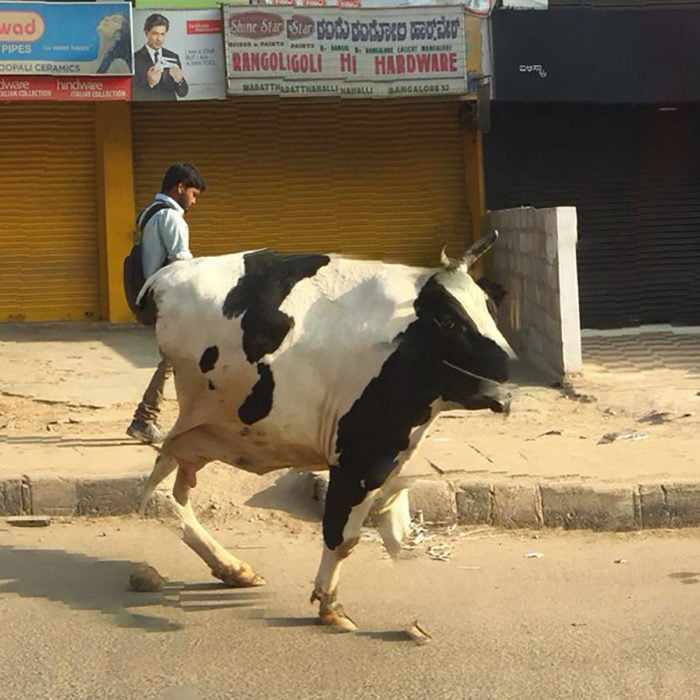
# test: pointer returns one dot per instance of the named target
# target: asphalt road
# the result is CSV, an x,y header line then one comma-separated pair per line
x,y
576,622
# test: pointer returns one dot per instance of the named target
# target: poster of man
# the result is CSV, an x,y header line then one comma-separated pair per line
x,y
182,55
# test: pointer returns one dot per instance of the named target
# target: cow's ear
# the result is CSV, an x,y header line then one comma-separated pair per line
x,y
430,301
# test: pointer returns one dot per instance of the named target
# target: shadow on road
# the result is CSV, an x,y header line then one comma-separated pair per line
x,y
86,583
290,494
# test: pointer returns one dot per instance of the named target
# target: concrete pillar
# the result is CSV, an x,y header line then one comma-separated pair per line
x,y
115,188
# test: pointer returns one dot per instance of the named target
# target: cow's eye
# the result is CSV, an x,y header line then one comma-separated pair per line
x,y
447,323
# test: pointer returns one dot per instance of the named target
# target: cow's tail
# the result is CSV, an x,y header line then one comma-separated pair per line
x,y
165,465
145,308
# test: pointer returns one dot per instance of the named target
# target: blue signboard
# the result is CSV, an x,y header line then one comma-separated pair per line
x,y
46,38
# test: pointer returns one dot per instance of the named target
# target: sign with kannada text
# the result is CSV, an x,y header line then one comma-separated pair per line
x,y
65,38
326,52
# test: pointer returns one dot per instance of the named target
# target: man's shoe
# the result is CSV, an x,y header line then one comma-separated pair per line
x,y
144,432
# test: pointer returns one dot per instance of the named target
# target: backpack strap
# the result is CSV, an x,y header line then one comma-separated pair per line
x,y
149,212
133,268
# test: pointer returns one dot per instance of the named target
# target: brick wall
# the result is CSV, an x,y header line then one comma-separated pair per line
x,y
535,261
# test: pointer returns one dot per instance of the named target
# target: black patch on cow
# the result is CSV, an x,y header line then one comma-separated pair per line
x,y
457,340
209,359
258,403
378,425
211,386
268,279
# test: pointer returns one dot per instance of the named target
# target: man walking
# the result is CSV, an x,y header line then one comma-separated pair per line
x,y
165,238
157,71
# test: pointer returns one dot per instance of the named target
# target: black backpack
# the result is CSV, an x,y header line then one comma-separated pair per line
x,y
134,279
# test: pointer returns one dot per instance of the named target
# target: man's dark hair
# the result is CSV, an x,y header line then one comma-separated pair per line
x,y
156,20
186,173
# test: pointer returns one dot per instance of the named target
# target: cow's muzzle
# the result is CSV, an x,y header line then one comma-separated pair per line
x,y
489,394
499,403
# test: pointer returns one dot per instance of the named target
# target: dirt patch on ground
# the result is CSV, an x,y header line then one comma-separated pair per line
x,y
622,428
650,420
588,405
25,416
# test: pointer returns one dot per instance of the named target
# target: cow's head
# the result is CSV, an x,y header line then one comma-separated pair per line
x,y
473,354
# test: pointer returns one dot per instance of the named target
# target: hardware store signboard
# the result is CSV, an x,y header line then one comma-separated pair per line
x,y
325,52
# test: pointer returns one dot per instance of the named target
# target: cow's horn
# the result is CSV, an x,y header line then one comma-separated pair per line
x,y
447,262
478,248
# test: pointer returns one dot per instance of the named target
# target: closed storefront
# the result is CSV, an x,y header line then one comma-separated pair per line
x,y
334,165
598,109
48,227
632,174
377,179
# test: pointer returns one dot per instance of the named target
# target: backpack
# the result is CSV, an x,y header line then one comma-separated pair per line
x,y
134,279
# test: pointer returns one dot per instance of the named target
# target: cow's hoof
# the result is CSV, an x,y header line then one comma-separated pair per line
x,y
332,613
338,620
239,579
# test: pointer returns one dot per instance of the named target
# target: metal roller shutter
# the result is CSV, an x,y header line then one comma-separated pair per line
x,y
372,179
632,173
48,228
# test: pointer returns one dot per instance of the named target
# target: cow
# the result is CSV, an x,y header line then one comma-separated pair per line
x,y
313,361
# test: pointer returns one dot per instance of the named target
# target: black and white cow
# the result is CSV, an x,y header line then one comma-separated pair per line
x,y
314,361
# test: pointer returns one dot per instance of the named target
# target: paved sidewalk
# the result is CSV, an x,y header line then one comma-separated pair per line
x,y
547,465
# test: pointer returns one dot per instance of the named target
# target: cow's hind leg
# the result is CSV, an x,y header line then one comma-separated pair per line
x,y
394,520
326,586
164,466
224,566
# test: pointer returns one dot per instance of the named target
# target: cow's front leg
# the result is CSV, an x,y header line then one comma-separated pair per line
x,y
341,532
224,566
326,588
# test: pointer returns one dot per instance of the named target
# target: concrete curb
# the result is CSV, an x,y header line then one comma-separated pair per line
x,y
70,497
568,505
508,504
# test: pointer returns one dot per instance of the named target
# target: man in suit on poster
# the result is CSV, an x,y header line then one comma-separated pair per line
x,y
157,71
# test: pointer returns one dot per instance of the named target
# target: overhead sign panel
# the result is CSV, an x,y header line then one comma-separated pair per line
x,y
32,88
368,53
64,38
597,55
478,8
179,55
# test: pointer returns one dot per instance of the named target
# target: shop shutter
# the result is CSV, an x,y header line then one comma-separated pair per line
x,y
634,177
48,227
378,179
